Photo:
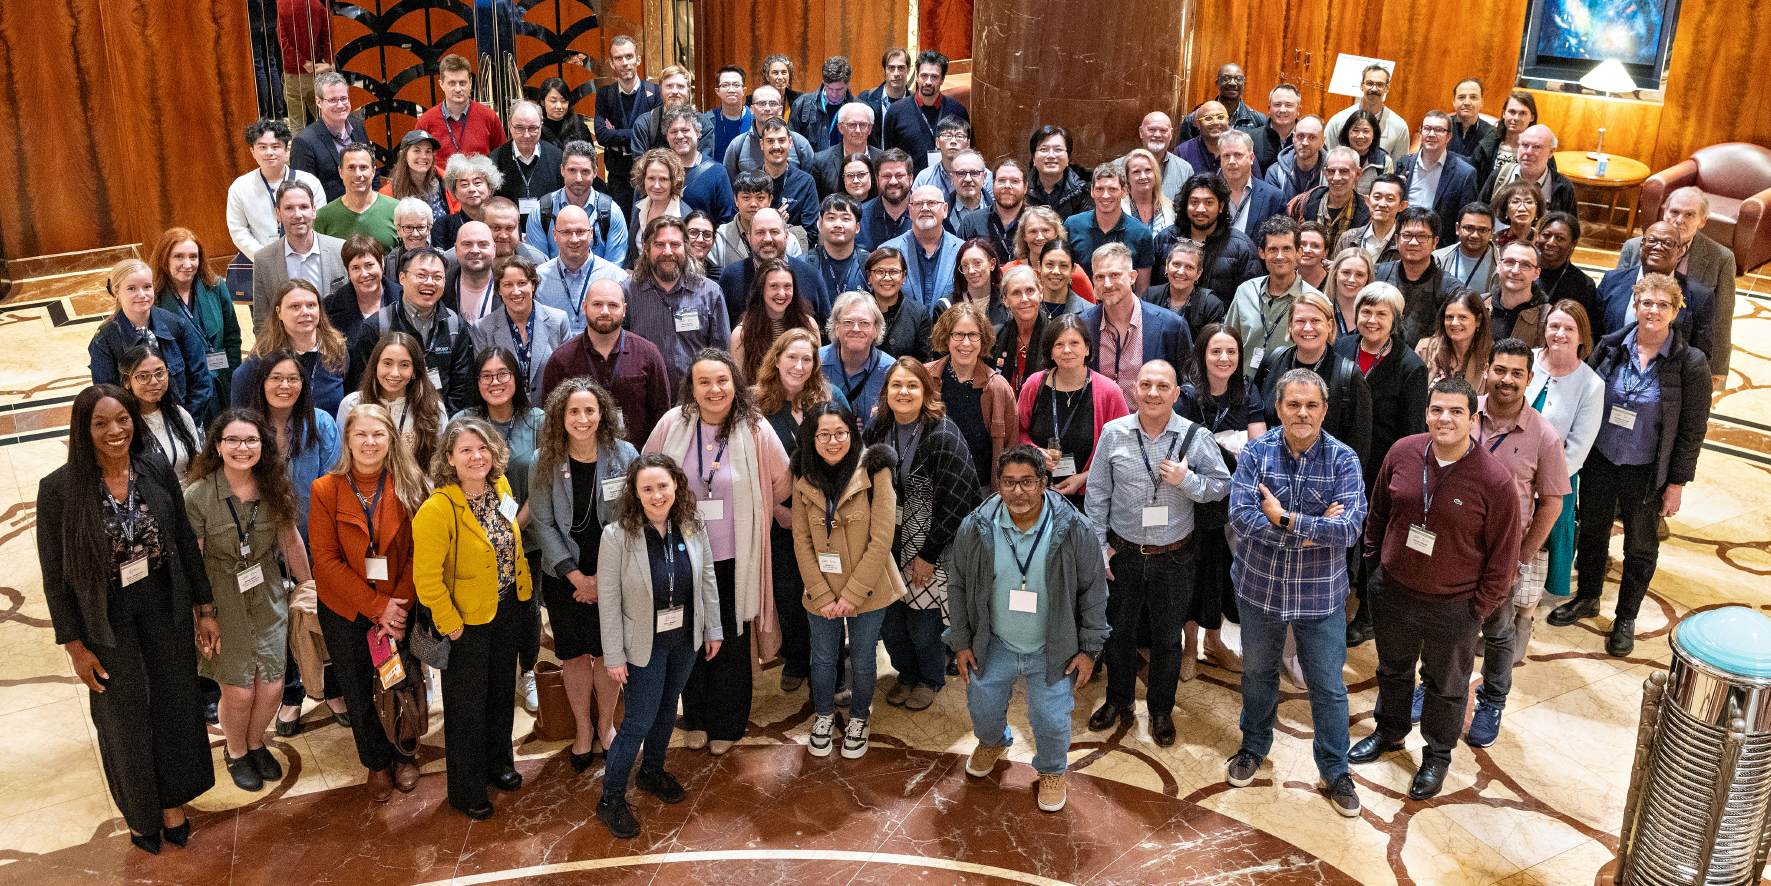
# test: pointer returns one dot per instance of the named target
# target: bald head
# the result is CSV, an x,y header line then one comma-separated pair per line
x,y
605,306
1660,248
1155,132
928,210
768,234
571,233
1212,119
1536,144
473,248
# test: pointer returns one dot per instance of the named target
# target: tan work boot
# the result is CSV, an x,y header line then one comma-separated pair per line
x,y
1051,792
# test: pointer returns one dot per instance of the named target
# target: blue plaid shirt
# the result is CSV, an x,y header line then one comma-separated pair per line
x,y
1300,573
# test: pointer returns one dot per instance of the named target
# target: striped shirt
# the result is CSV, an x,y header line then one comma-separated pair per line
x,y
1297,573
1124,478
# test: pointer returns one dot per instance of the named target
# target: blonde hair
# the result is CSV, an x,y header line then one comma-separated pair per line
x,y
410,485
442,473
123,270
1316,300
1163,204
272,336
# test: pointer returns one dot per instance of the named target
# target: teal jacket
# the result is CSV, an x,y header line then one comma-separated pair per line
x,y
214,317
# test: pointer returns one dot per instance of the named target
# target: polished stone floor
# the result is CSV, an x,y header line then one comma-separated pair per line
x,y
1542,806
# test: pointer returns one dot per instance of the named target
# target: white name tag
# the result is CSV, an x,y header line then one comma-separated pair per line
x,y
250,578
710,509
507,508
375,568
688,321
1066,467
1156,515
1254,358
528,205
217,359
135,570
436,378
934,158
612,488
830,563
670,619
1421,539
1623,418
620,420
1023,601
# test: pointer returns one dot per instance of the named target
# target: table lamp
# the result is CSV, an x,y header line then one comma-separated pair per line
x,y
1607,78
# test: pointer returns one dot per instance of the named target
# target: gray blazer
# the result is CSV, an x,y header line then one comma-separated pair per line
x,y
552,328
551,509
270,271
1711,264
624,596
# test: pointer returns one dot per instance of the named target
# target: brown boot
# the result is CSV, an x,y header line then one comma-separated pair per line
x,y
381,784
405,774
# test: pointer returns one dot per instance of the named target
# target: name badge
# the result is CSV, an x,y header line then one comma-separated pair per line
x,y
528,205
507,508
250,578
217,360
1023,601
436,378
710,509
375,568
1156,515
245,550
688,321
1623,418
830,563
612,488
135,570
1421,539
391,672
934,158
1254,358
620,420
670,619
1066,467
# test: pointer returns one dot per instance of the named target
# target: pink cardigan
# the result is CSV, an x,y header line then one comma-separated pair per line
x,y
1109,404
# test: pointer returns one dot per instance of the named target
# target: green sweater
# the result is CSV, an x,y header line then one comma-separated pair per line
x,y
336,220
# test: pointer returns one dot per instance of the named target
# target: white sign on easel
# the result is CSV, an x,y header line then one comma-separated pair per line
x,y
1347,70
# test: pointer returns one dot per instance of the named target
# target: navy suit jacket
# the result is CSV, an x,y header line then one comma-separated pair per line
x,y
1165,335
1457,189
1696,321
1264,202
617,140
735,278
314,150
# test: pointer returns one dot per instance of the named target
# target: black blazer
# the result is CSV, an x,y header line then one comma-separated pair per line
x,y
315,151
1457,188
1684,403
615,132
79,606
1348,418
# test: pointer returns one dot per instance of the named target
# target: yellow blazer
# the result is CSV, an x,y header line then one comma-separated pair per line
x,y
454,565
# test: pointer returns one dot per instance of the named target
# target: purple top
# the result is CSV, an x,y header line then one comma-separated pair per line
x,y
705,457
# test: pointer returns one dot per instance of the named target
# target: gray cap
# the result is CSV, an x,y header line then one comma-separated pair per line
x,y
419,135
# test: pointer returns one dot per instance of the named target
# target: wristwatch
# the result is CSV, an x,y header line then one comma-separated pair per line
x,y
1285,520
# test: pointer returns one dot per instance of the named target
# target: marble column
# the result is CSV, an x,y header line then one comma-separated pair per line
x,y
1094,68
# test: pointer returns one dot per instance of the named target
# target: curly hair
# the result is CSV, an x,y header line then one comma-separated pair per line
x,y
771,394
442,472
961,311
274,487
682,508
644,164
556,444
743,403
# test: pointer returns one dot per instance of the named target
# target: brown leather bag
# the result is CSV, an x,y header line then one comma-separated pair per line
x,y
405,709
553,718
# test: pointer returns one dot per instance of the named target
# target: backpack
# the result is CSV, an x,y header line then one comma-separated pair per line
x,y
603,206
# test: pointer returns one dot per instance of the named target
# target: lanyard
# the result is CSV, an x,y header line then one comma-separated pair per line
x,y
829,520
1427,490
169,447
369,508
1060,430
522,168
1635,381
251,521
1155,477
575,304
1267,328
451,129
670,563
1497,440
124,512
853,391
701,459
525,341
898,447
273,192
1033,551
1119,342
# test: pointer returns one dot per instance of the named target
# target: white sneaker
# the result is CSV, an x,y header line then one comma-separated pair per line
x,y
526,692
822,726
854,739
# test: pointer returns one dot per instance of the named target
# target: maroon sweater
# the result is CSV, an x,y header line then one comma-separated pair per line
x,y
641,387
1475,516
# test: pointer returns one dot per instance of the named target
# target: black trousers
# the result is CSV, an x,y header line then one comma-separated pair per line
x,y
1163,582
479,698
149,719
790,607
1609,492
348,645
1440,637
717,697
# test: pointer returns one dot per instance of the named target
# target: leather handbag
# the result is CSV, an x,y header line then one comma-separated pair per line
x,y
404,710
553,718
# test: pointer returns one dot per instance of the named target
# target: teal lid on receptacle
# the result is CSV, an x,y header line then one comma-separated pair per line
x,y
1734,639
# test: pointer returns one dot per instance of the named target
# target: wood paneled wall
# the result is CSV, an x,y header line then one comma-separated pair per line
x,y
744,32
945,26
118,119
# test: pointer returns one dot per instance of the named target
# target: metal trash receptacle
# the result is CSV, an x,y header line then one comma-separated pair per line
x,y
1699,806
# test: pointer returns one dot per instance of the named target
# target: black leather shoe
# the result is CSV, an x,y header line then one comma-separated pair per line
x,y
660,784
268,767
618,818
179,834
1162,729
149,843
581,762
1360,629
508,780
1572,611
244,771
1623,638
1428,780
211,715
477,813
1370,748
1106,715
288,728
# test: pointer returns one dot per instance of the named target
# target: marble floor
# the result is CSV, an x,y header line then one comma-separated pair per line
x,y
1541,806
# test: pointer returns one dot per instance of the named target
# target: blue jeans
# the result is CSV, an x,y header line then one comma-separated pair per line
x,y
1048,706
652,693
827,635
1322,651
913,640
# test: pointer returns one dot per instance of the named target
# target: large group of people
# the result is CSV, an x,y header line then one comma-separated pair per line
x,y
800,375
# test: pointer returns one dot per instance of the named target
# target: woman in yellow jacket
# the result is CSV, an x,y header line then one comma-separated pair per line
x,y
470,573
844,520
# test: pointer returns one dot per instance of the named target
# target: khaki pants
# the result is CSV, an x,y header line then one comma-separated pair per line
x,y
298,93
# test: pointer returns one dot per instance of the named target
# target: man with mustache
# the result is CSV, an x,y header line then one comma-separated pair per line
x,y
1660,255
671,303
1374,87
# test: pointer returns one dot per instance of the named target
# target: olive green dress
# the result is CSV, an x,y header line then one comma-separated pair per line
x,y
255,623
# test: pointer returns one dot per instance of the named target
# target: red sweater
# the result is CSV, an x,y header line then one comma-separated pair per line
x,y
1475,517
479,133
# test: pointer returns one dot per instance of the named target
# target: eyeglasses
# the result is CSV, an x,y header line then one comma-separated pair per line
x,y
499,377
968,173
1475,229
1433,130
857,125
1659,243
1028,484
699,235
1657,306
421,277
1517,263
283,381
857,176
857,324
927,204
524,128
887,273
142,378
831,436
242,442
1416,237
414,229
966,336
341,100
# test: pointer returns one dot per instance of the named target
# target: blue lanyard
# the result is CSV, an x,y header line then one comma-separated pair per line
x,y
246,533
1059,430
1119,342
576,304
125,512
369,509
701,459
523,342
1033,551
450,129
829,519
1427,490
1267,328
850,392
1636,381
1155,477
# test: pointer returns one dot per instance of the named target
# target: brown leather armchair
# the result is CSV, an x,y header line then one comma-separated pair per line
x,y
1736,177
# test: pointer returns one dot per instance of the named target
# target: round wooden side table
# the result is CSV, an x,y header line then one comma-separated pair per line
x,y
1621,174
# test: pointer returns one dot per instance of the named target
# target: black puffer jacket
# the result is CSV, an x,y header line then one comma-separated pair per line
x,y
1070,197
1684,402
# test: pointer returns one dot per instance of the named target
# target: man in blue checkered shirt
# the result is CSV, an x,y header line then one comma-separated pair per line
x,y
1297,503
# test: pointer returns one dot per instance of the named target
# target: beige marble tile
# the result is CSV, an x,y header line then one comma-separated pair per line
x,y
69,823
33,670
1576,867
52,739
1441,851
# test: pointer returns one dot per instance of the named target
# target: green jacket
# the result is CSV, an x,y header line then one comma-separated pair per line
x,y
213,315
